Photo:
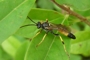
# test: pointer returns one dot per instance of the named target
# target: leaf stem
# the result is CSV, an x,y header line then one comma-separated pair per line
x,y
82,18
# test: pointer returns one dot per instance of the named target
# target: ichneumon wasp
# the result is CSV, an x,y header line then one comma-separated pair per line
x,y
49,27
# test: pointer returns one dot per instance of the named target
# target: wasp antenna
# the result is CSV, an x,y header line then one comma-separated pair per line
x,y
28,25
31,20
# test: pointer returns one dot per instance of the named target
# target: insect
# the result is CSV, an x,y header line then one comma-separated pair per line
x,y
49,27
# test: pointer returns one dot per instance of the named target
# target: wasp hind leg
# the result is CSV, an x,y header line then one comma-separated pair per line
x,y
64,47
54,33
62,43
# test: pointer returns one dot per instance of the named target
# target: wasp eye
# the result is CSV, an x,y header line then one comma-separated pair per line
x,y
70,35
39,25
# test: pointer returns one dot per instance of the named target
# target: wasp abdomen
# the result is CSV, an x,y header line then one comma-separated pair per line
x,y
70,35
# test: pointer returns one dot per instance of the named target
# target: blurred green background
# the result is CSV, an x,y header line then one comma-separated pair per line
x,y
14,41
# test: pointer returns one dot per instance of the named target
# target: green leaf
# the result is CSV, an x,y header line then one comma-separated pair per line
x,y
75,57
81,5
11,45
21,52
80,38
82,43
47,4
4,55
14,16
43,14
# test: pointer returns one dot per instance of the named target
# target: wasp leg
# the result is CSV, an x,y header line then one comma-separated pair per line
x,y
35,35
54,33
64,47
41,40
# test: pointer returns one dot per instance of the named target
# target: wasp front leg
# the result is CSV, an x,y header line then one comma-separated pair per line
x,y
34,36
41,40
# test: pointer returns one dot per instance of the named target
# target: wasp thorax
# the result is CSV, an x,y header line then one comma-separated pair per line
x,y
45,25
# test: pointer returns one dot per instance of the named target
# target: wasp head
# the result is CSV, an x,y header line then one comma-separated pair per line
x,y
39,25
